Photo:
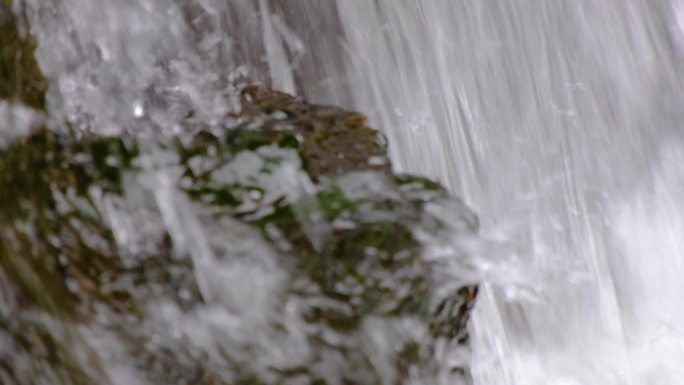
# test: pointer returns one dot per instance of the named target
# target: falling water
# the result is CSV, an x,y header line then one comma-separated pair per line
x,y
557,121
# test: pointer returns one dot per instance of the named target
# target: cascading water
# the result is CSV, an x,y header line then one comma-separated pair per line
x,y
557,121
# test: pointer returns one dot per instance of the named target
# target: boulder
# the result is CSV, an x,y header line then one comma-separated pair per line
x,y
280,250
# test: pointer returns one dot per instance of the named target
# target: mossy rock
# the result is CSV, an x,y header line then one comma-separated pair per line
x,y
20,76
299,193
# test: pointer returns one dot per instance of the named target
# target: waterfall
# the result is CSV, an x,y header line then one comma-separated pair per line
x,y
559,122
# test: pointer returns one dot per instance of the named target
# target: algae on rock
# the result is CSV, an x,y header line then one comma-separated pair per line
x,y
297,194
20,76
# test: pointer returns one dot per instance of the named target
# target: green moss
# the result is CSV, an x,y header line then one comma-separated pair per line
x,y
25,204
31,340
20,76
357,258
110,158
380,267
246,139
334,204
54,234
375,268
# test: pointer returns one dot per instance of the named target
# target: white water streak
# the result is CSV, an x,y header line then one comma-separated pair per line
x,y
547,117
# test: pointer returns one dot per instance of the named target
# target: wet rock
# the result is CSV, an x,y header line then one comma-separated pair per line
x,y
280,251
20,77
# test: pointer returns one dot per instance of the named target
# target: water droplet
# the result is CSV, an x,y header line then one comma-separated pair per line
x,y
138,110
255,194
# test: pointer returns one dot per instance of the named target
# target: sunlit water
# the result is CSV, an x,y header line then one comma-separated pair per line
x,y
558,122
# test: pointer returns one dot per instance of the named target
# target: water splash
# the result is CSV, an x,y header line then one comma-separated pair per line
x,y
555,120
543,117
18,121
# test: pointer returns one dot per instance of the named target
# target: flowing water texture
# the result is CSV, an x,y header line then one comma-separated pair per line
x,y
558,121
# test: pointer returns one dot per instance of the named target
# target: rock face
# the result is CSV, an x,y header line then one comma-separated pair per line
x,y
281,250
